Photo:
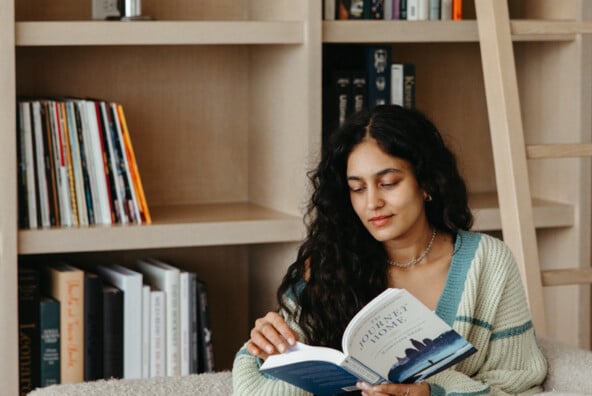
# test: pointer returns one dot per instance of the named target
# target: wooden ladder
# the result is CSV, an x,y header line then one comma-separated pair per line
x,y
510,153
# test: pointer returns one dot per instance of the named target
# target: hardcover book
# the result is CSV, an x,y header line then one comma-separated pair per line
x,y
93,327
65,283
378,61
393,339
49,343
112,332
28,318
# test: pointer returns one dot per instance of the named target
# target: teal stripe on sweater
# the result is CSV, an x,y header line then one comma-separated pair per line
x,y
475,321
511,332
465,247
485,391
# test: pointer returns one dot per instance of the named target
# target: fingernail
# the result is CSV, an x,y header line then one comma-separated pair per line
x,y
269,349
281,348
362,385
291,341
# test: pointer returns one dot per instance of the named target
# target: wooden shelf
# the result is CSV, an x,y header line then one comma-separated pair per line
x,y
546,213
157,33
443,31
177,226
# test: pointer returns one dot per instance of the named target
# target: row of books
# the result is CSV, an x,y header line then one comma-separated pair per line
x,y
113,322
378,81
77,165
412,10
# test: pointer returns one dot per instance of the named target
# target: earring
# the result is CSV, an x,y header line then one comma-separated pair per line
x,y
428,197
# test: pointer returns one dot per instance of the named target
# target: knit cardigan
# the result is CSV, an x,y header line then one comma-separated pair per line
x,y
484,301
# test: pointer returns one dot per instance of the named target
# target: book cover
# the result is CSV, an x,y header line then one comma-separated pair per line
x,y
378,61
403,84
377,9
76,161
28,198
28,323
93,327
112,332
49,341
434,10
65,283
205,346
457,10
165,277
145,331
394,338
445,10
130,283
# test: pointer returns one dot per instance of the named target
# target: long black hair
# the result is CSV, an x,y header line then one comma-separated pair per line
x,y
346,266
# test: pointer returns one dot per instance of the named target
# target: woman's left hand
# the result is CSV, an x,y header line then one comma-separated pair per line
x,y
421,389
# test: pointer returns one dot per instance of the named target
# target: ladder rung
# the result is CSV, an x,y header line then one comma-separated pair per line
x,y
550,27
538,151
573,276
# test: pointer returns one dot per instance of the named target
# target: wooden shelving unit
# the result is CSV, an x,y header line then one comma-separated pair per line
x,y
223,101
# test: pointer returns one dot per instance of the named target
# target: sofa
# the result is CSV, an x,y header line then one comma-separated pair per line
x,y
570,373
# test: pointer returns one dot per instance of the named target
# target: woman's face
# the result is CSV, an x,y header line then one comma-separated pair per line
x,y
384,192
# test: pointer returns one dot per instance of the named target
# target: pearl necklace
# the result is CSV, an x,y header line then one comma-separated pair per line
x,y
417,259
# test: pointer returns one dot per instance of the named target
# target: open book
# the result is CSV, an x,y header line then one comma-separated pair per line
x,y
394,338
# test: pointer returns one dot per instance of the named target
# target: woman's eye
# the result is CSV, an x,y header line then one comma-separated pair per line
x,y
356,189
388,185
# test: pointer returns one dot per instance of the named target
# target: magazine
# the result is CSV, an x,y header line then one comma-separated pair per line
x,y
394,339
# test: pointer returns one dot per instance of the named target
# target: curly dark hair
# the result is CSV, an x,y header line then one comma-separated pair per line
x,y
346,266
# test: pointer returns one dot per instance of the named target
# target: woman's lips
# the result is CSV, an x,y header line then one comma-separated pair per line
x,y
379,221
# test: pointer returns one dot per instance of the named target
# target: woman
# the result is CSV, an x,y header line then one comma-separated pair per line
x,y
389,209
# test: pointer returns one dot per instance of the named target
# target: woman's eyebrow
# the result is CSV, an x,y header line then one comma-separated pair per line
x,y
377,174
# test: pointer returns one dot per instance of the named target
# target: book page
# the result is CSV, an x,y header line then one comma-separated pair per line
x,y
401,339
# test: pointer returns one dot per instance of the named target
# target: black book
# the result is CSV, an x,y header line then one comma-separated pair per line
x,y
28,300
93,327
49,343
112,332
205,346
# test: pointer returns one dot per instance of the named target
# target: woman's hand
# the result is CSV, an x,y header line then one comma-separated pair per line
x,y
271,335
421,389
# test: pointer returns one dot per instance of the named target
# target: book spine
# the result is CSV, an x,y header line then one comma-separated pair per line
x,y
413,10
377,9
68,160
434,10
457,10
329,10
106,159
359,91
423,10
76,161
409,86
23,206
357,8
378,72
145,331
85,162
61,166
206,346
42,189
184,321
194,322
49,345
342,11
445,10
388,10
157,333
30,197
403,9
93,325
396,9
112,332
49,164
397,84
28,323
67,286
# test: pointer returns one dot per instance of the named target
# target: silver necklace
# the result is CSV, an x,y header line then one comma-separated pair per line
x,y
417,259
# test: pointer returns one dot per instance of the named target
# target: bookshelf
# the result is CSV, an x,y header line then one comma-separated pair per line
x,y
223,101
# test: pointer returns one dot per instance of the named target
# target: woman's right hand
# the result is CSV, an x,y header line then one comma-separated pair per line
x,y
271,335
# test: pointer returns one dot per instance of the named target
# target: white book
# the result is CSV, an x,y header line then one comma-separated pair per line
x,y
329,11
130,283
42,187
397,84
388,9
145,331
413,10
157,333
93,146
184,296
162,276
446,10
76,165
423,10
26,133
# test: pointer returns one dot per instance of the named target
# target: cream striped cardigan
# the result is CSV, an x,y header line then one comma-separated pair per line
x,y
485,302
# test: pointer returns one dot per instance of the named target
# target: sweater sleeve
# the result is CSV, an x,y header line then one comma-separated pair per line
x,y
247,380
508,360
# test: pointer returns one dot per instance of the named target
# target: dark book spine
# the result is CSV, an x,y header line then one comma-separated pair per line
x,y
409,85
206,348
343,7
194,325
378,69
49,343
359,91
28,300
93,327
106,161
112,332
377,9
54,213
23,210
403,9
